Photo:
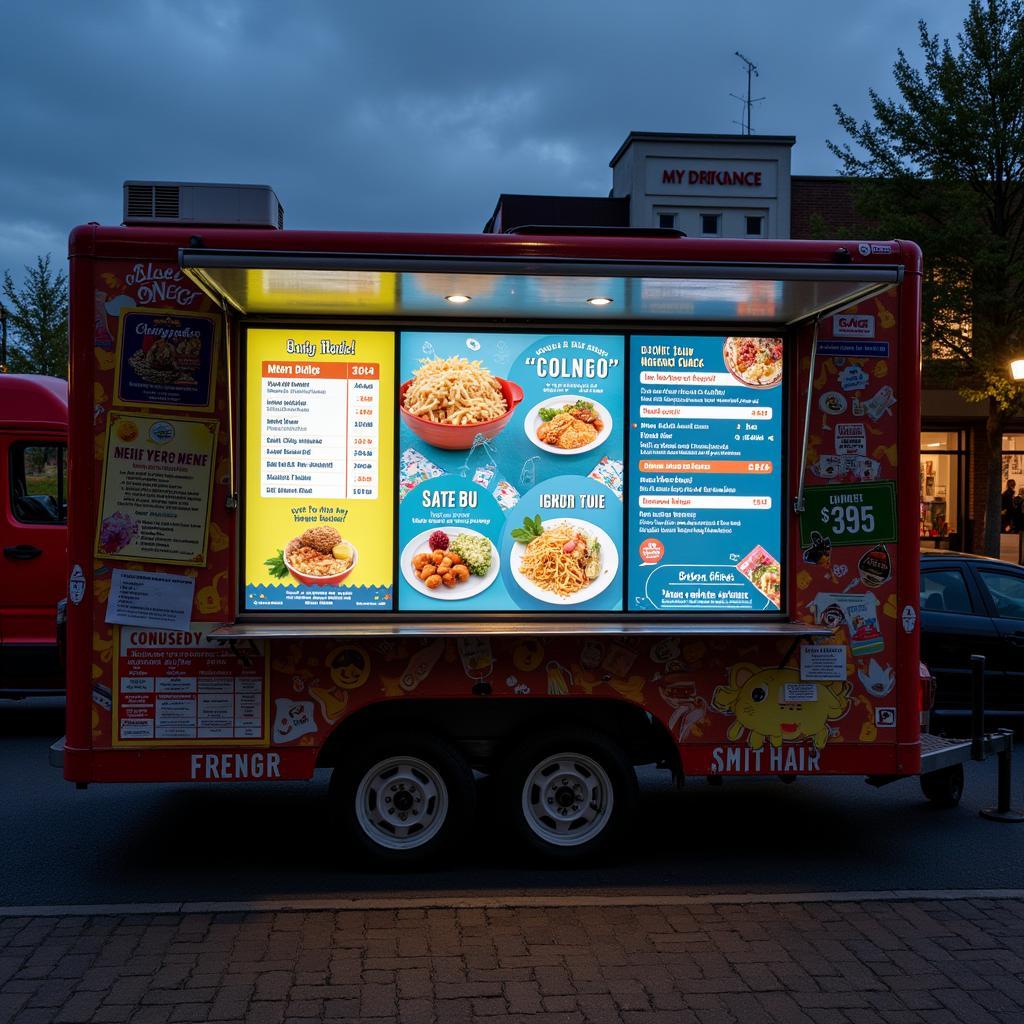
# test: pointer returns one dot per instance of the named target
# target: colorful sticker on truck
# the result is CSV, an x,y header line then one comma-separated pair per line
x,y
166,358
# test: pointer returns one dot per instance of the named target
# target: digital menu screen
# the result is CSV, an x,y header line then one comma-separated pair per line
x,y
511,461
570,472
318,471
705,445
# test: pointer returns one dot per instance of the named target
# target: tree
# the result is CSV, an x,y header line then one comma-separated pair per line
x,y
944,166
37,315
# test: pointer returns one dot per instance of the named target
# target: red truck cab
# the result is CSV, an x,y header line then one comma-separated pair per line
x,y
33,485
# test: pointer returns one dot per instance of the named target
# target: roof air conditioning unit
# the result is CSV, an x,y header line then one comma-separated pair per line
x,y
184,202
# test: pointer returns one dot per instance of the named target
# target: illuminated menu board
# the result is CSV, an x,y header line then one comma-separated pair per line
x,y
511,460
460,472
319,424
705,448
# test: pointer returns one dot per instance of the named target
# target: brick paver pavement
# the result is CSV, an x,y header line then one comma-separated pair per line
x,y
934,961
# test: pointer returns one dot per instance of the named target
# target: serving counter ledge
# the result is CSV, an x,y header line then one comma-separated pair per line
x,y
291,630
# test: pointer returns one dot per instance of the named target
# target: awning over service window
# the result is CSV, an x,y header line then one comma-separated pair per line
x,y
269,284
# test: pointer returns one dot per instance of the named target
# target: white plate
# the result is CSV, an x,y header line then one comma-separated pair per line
x,y
533,421
473,586
609,565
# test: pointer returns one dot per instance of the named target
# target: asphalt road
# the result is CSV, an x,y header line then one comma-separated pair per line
x,y
148,843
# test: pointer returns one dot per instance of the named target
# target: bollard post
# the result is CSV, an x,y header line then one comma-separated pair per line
x,y
977,707
1003,811
1003,779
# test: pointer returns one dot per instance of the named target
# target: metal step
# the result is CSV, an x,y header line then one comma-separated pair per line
x,y
937,752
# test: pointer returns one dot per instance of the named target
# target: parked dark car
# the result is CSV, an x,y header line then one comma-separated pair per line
x,y
973,605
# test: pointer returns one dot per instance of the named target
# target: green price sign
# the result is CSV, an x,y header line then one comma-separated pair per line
x,y
850,513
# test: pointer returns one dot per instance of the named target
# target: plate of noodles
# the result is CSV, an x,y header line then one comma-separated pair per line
x,y
450,564
755,362
447,402
568,424
568,561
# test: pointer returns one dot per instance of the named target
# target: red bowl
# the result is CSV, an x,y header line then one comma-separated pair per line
x,y
316,581
458,437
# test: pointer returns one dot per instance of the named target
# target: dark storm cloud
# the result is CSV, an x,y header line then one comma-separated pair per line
x,y
401,115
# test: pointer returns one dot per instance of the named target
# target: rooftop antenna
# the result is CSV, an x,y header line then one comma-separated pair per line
x,y
748,103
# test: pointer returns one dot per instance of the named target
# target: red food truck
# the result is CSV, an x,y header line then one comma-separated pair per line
x,y
544,506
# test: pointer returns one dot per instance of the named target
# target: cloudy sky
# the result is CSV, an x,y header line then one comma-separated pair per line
x,y
397,114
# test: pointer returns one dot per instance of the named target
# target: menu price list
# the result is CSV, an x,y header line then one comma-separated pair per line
x,y
705,448
155,505
320,406
320,424
180,685
190,708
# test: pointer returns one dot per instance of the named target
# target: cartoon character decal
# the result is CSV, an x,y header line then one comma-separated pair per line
x,y
763,708
528,655
349,666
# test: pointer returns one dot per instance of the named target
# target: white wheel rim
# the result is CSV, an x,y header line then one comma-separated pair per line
x,y
401,803
567,799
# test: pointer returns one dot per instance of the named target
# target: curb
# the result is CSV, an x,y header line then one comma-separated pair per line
x,y
502,901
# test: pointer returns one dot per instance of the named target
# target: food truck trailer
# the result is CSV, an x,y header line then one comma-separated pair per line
x,y
542,505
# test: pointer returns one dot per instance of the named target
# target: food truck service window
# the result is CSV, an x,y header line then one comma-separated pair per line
x,y
531,472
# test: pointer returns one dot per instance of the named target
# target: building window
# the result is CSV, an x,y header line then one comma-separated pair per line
x,y
666,220
710,223
941,501
755,226
1013,469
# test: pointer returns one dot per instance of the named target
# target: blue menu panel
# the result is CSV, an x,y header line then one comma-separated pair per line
x,y
705,463
511,460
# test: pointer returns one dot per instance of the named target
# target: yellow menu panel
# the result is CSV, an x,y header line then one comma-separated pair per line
x,y
319,499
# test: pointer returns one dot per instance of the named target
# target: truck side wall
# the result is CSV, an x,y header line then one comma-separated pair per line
x,y
730,705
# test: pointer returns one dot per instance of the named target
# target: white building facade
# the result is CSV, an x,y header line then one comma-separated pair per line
x,y
708,186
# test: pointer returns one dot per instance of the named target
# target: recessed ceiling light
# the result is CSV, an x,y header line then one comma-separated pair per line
x,y
600,300
458,300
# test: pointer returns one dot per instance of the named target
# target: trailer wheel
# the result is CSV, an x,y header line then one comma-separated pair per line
x,y
944,787
569,795
402,798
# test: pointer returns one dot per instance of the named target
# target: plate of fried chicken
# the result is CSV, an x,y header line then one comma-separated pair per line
x,y
568,424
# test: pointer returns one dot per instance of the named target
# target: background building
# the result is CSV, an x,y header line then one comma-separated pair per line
x,y
741,186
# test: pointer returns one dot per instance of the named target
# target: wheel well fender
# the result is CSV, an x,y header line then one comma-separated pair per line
x,y
482,728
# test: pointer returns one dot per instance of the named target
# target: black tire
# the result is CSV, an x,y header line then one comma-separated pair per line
x,y
601,812
945,787
439,798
